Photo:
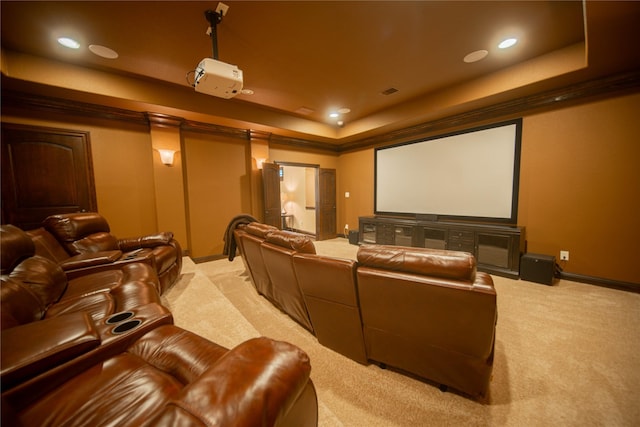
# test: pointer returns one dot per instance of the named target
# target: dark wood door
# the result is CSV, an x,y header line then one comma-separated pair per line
x,y
271,190
326,213
45,171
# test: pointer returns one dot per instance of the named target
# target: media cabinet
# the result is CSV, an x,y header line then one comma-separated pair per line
x,y
497,248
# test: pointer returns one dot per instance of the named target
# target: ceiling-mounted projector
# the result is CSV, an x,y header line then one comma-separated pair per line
x,y
211,76
218,78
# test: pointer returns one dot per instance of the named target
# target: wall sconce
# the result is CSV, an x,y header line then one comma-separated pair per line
x,y
260,162
167,156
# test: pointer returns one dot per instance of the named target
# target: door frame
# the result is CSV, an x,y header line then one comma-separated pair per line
x,y
315,185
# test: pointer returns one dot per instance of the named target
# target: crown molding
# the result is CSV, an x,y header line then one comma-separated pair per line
x,y
611,85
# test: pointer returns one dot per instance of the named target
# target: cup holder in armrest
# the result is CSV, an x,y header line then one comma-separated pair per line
x,y
119,317
126,326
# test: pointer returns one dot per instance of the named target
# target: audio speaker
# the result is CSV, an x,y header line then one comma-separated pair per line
x,y
538,268
353,237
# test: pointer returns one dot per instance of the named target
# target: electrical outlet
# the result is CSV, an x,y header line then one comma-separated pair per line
x,y
564,255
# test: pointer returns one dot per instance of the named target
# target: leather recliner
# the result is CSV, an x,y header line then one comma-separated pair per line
x,y
172,377
430,313
72,360
35,288
81,242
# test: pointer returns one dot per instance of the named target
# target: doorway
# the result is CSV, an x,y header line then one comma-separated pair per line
x,y
300,197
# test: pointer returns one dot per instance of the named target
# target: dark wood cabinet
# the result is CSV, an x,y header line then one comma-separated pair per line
x,y
497,248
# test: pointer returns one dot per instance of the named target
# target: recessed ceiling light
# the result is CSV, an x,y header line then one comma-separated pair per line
x,y
475,56
507,43
103,51
247,91
68,42
344,110
334,115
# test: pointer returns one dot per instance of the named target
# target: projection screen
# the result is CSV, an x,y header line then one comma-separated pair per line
x,y
472,175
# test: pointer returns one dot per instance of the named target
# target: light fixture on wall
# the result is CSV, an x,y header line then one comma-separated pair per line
x,y
166,156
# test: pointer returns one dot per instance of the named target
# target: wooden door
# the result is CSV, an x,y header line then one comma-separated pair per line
x,y
326,211
271,190
45,171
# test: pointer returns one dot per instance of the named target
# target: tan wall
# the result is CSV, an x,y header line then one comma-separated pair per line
x,y
355,177
578,191
327,161
579,186
218,188
123,171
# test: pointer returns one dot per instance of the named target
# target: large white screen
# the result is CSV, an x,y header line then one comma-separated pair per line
x,y
469,175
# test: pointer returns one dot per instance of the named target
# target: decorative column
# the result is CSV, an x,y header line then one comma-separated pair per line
x,y
259,144
168,176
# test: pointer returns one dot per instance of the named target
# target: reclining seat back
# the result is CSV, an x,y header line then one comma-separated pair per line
x,y
430,313
277,251
250,241
47,245
81,232
29,283
329,289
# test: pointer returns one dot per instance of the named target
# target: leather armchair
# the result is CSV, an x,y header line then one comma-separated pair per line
x,y
82,242
171,377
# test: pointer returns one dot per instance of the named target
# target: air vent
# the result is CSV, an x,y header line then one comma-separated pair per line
x,y
305,111
389,91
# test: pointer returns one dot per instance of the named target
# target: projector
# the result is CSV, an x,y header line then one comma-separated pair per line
x,y
217,78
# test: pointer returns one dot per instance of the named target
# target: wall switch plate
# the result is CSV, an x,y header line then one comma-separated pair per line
x,y
564,255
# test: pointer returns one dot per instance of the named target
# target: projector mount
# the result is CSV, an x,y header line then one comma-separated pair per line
x,y
213,77
214,17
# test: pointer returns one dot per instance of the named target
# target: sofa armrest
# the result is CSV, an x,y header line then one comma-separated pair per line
x,y
90,259
148,241
255,383
33,348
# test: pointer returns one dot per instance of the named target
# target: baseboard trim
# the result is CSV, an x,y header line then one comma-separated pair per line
x,y
607,283
200,260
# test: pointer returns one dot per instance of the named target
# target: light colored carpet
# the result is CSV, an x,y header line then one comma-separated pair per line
x,y
566,355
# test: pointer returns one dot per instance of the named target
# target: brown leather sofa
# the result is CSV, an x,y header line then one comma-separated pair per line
x,y
99,349
423,311
428,312
82,241
329,291
249,241
277,252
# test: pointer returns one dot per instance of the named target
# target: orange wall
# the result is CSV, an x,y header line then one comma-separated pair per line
x,y
579,186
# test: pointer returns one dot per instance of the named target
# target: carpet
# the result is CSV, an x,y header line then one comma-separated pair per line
x,y
567,354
